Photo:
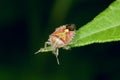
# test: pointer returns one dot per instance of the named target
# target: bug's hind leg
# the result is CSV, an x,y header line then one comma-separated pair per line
x,y
66,47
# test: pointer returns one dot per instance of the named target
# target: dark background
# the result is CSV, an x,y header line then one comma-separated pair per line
x,y
26,24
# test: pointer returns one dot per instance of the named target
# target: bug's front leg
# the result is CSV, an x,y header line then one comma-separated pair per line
x,y
45,47
46,44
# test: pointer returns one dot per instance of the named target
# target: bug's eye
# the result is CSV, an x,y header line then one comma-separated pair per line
x,y
71,27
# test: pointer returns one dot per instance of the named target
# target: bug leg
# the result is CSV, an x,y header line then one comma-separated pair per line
x,y
42,49
37,52
66,47
56,53
57,57
46,44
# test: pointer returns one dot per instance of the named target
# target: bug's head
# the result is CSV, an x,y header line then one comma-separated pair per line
x,y
70,27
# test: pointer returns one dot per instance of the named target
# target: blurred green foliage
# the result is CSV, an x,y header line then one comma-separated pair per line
x,y
25,26
105,27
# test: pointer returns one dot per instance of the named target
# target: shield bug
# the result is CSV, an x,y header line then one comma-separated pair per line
x,y
60,38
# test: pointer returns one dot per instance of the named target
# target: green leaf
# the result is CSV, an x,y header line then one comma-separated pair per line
x,y
103,28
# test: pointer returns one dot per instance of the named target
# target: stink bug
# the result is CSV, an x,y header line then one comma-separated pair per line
x,y
60,38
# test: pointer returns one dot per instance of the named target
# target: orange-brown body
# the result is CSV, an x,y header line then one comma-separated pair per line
x,y
61,37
